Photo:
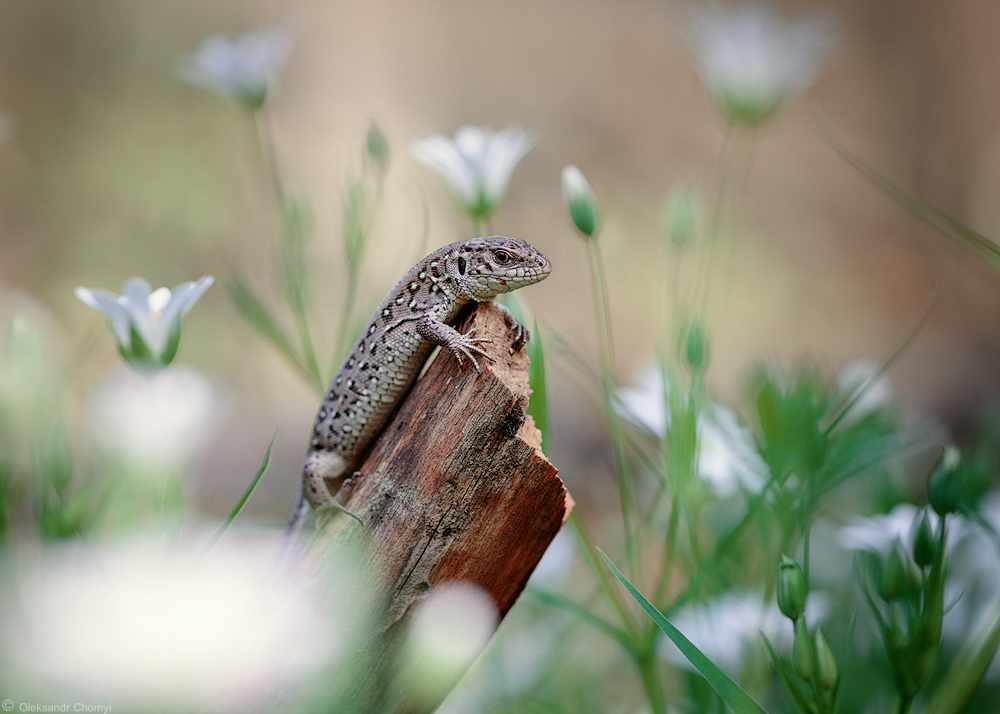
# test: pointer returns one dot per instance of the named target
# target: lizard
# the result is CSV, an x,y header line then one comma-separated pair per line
x,y
416,316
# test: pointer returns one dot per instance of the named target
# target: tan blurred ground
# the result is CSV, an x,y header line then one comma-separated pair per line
x,y
115,168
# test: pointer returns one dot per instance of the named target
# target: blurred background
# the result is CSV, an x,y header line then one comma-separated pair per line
x,y
111,167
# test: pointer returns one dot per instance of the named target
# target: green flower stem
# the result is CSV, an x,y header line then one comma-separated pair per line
x,y
734,167
806,526
608,382
269,160
607,586
346,330
670,548
651,684
482,225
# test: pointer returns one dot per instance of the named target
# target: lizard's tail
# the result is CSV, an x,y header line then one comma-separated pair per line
x,y
291,545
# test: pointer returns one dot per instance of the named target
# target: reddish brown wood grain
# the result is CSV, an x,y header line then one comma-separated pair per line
x,y
455,488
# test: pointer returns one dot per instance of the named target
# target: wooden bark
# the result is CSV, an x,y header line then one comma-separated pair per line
x,y
455,488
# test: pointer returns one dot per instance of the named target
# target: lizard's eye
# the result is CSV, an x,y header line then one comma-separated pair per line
x,y
502,257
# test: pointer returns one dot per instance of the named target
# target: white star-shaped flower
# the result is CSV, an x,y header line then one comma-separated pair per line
x,y
146,325
751,60
727,454
477,163
241,68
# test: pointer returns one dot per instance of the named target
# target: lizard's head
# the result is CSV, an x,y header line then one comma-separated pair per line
x,y
486,267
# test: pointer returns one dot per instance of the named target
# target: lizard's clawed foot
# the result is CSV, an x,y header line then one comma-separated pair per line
x,y
521,333
521,336
465,345
331,508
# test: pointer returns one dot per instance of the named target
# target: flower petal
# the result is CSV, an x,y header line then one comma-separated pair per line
x,y
442,155
106,303
183,299
505,152
135,299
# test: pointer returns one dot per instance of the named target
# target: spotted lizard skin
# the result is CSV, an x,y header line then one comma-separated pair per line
x,y
416,316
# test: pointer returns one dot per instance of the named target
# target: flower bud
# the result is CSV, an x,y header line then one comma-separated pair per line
x,y
892,581
792,589
580,201
696,346
924,546
803,657
681,217
944,488
826,665
377,147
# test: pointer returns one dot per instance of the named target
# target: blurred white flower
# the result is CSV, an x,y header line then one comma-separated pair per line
x,y
580,201
879,533
155,423
727,453
477,163
241,68
853,378
158,630
448,631
726,626
146,325
751,60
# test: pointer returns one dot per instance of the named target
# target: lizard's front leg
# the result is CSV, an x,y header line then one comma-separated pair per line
x,y
461,345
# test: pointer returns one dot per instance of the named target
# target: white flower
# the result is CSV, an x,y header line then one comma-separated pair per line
x,y
477,163
855,377
879,533
727,454
146,325
449,630
240,68
725,627
751,60
152,629
155,423
580,201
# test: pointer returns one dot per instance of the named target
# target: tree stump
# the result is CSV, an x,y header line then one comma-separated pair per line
x,y
455,488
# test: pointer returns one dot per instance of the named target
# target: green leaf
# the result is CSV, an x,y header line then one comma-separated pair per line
x,y
538,406
245,497
254,312
59,462
293,262
979,244
791,681
958,686
732,693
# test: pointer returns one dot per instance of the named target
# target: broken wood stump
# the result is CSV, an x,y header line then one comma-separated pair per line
x,y
455,488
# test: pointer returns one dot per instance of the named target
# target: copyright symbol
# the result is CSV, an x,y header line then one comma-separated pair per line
x,y
7,705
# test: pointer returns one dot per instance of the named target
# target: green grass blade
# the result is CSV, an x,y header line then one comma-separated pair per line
x,y
788,678
982,246
958,686
245,497
583,615
538,406
730,692
253,311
